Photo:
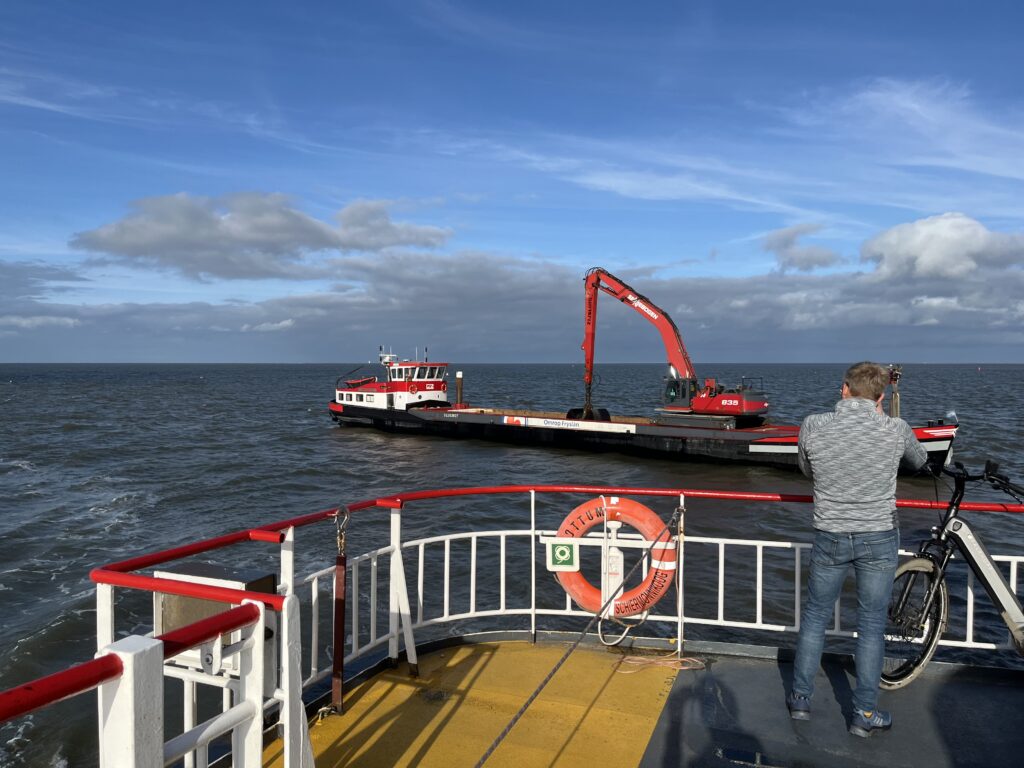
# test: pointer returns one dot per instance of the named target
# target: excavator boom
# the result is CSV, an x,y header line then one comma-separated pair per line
x,y
598,279
682,393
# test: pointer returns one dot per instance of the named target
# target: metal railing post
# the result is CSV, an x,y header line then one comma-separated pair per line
x,y
393,583
131,723
288,561
297,750
104,615
399,612
247,739
533,566
680,602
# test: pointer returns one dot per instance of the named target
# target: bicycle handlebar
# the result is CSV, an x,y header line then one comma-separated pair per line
x,y
990,475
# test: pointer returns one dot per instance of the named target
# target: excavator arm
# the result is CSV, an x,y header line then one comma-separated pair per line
x,y
600,280
682,393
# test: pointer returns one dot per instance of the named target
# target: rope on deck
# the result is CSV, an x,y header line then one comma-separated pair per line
x,y
575,644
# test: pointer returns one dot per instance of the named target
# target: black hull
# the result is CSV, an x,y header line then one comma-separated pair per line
x,y
766,445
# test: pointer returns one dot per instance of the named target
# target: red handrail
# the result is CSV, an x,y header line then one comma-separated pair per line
x,y
83,677
117,573
180,640
59,686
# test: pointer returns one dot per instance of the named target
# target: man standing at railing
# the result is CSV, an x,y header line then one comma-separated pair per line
x,y
852,456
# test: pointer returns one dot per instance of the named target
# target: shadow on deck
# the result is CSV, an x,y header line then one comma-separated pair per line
x,y
733,713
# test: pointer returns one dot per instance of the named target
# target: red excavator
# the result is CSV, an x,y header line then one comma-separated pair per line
x,y
683,396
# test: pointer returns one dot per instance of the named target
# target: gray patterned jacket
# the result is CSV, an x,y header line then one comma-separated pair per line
x,y
853,454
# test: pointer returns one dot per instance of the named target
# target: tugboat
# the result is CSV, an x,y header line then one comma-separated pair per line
x,y
695,421
406,385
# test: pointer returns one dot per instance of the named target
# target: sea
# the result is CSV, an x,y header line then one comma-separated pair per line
x,y
101,462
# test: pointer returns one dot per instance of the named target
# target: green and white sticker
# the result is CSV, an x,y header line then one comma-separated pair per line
x,y
563,556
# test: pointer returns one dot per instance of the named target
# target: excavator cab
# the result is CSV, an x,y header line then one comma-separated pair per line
x,y
679,392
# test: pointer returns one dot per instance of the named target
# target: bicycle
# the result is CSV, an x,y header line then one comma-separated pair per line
x,y
919,608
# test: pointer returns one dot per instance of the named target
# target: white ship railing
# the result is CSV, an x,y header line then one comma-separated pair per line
x,y
381,596
254,672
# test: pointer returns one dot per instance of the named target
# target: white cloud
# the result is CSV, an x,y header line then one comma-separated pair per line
x,y
283,325
246,235
951,245
792,255
365,225
38,321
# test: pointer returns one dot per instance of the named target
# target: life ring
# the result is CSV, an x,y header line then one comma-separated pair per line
x,y
663,554
413,389
443,386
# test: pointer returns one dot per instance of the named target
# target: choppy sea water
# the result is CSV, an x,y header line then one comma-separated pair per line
x,y
99,462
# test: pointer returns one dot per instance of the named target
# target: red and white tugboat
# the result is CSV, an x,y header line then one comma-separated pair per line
x,y
405,386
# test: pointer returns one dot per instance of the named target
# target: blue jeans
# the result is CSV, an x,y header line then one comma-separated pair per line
x,y
874,557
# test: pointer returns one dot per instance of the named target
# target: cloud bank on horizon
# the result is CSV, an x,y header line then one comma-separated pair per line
x,y
444,177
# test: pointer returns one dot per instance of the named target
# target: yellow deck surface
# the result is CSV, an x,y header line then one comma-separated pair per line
x,y
591,712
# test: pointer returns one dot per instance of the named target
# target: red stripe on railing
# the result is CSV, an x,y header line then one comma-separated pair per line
x,y
82,678
58,686
184,588
180,640
396,501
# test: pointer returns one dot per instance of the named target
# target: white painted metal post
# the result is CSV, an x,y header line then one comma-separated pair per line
x,y
680,603
396,558
297,750
188,720
398,607
287,585
131,726
104,615
247,740
533,566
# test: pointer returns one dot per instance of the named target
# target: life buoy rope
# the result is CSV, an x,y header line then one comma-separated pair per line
x,y
663,554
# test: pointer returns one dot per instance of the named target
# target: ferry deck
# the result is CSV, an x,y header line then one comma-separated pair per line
x,y
728,711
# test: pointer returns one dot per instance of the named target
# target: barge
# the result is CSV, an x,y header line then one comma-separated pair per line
x,y
696,420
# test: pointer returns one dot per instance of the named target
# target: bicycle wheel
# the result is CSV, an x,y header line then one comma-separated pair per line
x,y
911,634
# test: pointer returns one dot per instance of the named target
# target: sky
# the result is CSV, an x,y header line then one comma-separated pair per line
x,y
267,182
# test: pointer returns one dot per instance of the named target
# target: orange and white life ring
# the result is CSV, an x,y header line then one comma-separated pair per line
x,y
663,554
413,389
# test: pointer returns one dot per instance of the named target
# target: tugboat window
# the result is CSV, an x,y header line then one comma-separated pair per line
x,y
369,398
359,398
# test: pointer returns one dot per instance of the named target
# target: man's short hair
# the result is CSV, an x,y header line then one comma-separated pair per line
x,y
867,380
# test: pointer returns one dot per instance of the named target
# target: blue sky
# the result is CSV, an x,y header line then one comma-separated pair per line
x,y
792,182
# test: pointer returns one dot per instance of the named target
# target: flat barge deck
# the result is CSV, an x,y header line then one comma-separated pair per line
x,y
669,436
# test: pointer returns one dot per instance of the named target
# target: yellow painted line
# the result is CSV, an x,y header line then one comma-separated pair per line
x,y
591,713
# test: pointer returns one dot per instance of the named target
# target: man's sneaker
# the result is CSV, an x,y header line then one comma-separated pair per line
x,y
799,706
864,724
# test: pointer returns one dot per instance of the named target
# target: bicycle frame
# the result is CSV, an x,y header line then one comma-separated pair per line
x,y
955,531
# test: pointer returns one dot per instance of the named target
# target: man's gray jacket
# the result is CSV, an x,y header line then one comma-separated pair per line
x,y
853,454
